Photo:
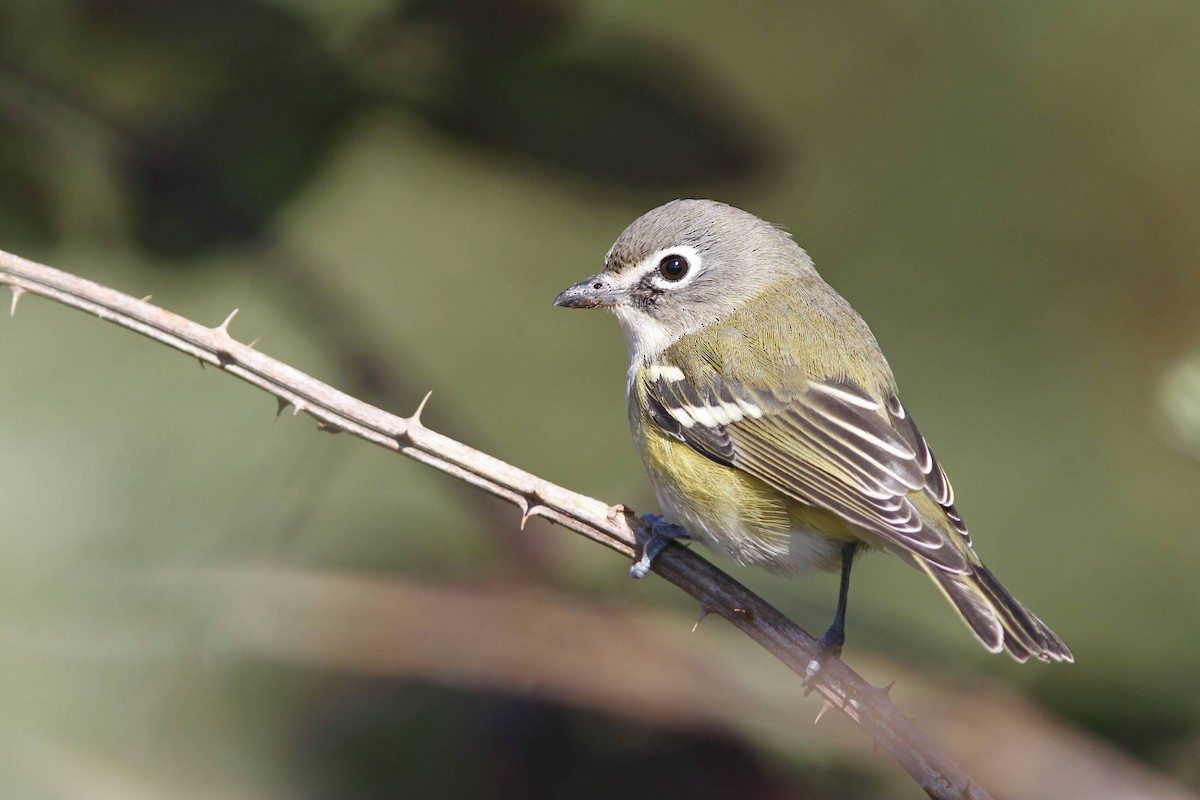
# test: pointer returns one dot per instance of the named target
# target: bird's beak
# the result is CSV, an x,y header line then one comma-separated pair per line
x,y
594,292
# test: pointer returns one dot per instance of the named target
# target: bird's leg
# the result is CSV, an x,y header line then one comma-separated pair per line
x,y
830,644
659,535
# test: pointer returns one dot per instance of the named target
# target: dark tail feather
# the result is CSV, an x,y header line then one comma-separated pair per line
x,y
996,617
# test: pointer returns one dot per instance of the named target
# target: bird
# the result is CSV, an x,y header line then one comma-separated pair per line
x,y
769,421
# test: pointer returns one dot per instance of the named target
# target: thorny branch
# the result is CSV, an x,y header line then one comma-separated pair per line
x,y
613,527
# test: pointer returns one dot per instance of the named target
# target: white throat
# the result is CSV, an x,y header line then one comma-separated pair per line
x,y
645,337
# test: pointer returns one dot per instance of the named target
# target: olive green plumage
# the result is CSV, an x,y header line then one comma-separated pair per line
x,y
768,419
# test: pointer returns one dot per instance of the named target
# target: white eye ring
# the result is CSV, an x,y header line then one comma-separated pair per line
x,y
681,259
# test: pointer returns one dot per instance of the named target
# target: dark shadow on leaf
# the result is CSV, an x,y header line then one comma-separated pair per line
x,y
256,104
367,738
626,112
27,214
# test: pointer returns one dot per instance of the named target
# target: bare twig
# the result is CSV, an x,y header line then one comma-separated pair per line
x,y
717,593
377,380
46,109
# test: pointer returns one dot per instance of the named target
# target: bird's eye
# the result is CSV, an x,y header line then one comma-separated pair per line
x,y
673,267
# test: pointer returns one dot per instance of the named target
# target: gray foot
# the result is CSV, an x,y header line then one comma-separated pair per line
x,y
659,535
829,647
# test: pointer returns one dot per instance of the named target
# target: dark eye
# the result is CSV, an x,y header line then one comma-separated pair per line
x,y
673,267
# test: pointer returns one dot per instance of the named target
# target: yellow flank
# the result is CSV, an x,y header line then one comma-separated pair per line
x,y
806,517
733,512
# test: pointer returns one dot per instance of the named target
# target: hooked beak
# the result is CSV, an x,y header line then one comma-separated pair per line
x,y
591,293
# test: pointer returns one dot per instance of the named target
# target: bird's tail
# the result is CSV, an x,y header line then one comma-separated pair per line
x,y
995,616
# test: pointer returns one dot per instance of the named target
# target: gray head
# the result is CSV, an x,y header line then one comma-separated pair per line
x,y
685,265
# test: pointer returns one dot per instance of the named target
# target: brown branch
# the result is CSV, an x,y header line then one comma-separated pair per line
x,y
718,593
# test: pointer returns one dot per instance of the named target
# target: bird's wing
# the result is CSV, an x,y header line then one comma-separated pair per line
x,y
828,444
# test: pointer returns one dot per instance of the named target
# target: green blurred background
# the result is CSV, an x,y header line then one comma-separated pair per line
x,y
199,601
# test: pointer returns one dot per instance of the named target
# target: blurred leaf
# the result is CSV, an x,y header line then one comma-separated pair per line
x,y
267,103
222,180
628,112
493,26
521,748
27,218
631,119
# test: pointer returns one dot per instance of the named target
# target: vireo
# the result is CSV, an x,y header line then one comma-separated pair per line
x,y
767,417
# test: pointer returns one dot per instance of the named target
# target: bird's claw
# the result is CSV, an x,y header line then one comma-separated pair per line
x,y
659,533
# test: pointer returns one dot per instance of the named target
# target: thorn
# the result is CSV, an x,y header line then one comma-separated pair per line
x,y
704,612
530,511
283,404
405,437
825,706
415,419
223,328
887,690
200,361
328,427
618,511
147,298
254,343
297,408
17,291
523,504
